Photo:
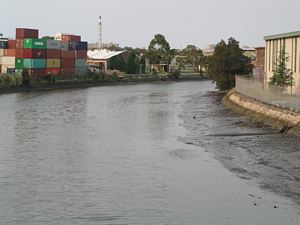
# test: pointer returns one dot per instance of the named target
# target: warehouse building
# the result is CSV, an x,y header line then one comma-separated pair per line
x,y
103,59
291,43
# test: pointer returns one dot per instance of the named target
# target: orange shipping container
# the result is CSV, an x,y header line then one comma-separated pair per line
x,y
68,54
10,52
19,53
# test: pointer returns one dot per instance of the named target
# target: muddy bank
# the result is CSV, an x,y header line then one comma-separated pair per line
x,y
251,150
87,84
283,120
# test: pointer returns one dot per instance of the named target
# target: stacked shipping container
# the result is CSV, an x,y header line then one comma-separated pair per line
x,y
7,56
41,57
73,56
30,52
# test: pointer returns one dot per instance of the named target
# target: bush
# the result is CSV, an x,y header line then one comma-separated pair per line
x,y
26,79
175,73
10,80
154,72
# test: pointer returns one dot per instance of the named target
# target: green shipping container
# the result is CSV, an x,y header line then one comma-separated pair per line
x,y
34,63
35,43
80,62
81,70
19,63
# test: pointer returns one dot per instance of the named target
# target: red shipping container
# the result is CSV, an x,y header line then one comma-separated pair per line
x,y
19,53
69,38
37,73
68,71
11,44
22,33
19,43
53,54
81,54
34,53
53,71
68,54
67,63
10,52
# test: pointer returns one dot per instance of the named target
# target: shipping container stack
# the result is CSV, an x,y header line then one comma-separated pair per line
x,y
73,55
66,55
7,56
30,52
53,55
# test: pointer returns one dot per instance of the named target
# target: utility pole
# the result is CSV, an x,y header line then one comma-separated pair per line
x,y
100,33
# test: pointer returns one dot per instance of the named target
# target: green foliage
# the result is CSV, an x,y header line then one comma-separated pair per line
x,y
159,50
133,66
26,79
113,76
228,60
8,81
175,73
282,76
117,63
193,56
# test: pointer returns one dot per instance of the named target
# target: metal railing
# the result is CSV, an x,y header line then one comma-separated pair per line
x,y
283,97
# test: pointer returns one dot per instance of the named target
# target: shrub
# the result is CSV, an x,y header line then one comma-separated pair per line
x,y
26,79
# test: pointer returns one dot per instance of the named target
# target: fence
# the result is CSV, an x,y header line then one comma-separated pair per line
x,y
274,95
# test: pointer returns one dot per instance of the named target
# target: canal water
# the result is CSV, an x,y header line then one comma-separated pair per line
x,y
165,153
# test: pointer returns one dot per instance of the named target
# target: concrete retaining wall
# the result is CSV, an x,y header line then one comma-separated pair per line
x,y
284,120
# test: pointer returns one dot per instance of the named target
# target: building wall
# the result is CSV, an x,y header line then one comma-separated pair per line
x,y
292,48
260,57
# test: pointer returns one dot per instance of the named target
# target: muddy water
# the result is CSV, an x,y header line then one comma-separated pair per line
x,y
143,154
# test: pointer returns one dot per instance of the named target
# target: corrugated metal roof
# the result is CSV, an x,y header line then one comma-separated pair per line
x,y
284,35
103,54
247,48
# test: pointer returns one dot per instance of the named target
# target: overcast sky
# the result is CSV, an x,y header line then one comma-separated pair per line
x,y
135,22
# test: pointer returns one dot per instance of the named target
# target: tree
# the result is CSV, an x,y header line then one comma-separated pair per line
x,y
132,64
159,50
117,63
282,76
193,56
227,61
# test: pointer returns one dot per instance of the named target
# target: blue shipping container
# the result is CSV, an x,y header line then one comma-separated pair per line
x,y
3,44
81,45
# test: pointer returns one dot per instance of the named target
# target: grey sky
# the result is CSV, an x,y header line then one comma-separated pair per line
x,y
134,22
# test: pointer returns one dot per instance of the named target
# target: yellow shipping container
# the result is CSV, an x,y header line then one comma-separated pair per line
x,y
53,63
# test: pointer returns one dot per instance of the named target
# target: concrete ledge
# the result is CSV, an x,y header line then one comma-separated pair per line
x,y
285,121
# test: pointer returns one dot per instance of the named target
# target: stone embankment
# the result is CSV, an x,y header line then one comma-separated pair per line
x,y
284,120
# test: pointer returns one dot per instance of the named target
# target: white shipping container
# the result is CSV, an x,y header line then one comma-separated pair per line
x,y
4,68
1,52
7,60
53,44
64,46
